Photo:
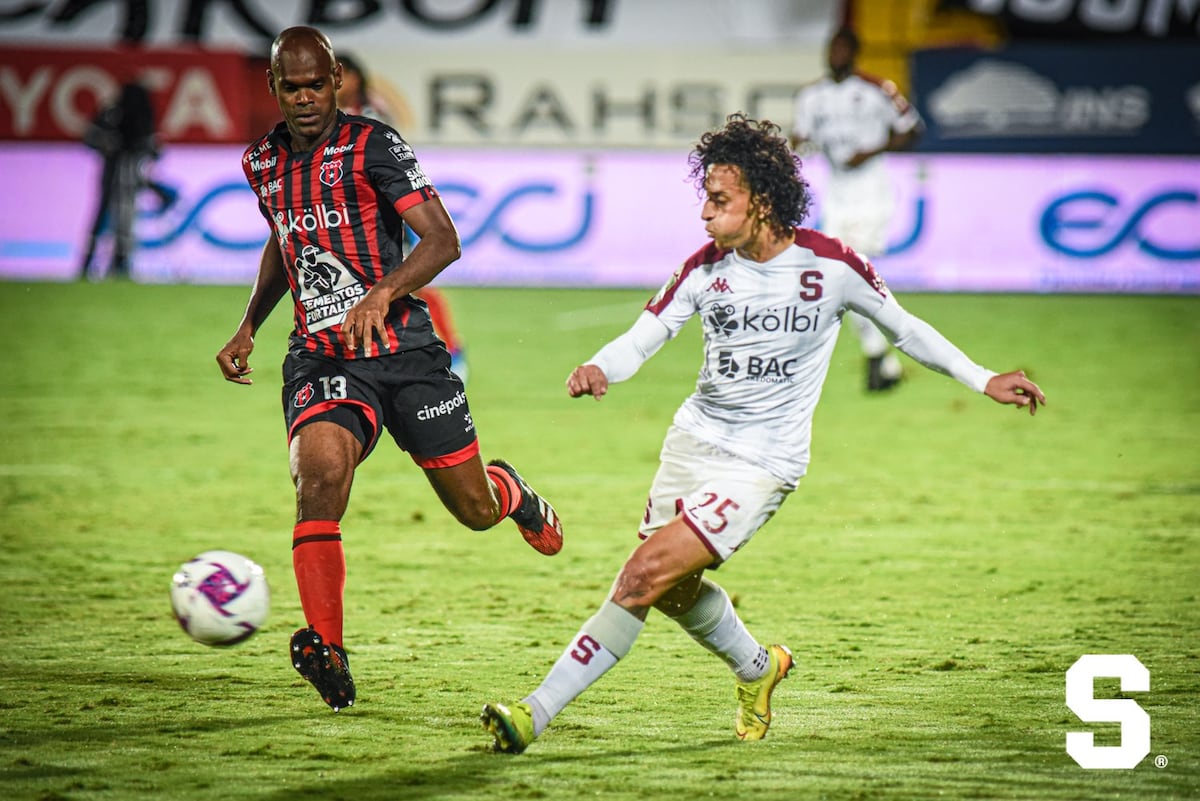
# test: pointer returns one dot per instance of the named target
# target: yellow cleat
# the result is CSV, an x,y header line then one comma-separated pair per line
x,y
512,727
754,697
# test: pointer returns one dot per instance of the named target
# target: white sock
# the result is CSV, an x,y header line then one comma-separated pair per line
x,y
713,623
602,641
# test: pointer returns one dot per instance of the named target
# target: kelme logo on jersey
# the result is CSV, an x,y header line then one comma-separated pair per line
x,y
316,218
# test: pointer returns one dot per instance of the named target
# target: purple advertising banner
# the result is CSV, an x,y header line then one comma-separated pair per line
x,y
629,218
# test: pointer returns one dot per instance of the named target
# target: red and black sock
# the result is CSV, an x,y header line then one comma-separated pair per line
x,y
506,488
320,566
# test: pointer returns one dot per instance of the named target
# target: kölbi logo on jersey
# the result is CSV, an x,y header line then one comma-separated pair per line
x,y
315,218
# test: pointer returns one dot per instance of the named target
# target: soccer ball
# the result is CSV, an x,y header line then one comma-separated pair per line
x,y
220,597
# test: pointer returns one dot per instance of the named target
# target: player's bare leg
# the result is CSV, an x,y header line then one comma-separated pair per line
x,y
323,456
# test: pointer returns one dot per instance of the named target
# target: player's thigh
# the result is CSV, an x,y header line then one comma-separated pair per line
x,y
426,409
721,499
317,388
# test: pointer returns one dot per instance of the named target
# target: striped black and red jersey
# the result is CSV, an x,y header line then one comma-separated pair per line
x,y
335,213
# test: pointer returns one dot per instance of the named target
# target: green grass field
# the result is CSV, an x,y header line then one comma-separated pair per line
x,y
941,567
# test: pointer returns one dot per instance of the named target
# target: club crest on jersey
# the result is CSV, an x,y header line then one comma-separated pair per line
x,y
331,173
303,396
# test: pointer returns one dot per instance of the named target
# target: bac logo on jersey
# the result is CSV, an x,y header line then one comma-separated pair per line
x,y
303,396
726,365
331,173
719,285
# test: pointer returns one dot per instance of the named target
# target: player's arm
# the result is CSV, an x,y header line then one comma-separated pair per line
x,y
270,285
438,248
918,339
619,359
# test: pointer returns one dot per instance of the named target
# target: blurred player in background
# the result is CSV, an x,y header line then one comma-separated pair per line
x,y
123,133
361,96
337,193
770,297
853,119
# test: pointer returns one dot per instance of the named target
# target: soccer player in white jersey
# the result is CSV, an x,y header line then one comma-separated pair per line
x,y
771,297
853,119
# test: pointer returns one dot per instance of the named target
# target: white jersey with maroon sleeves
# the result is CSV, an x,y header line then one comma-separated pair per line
x,y
852,115
769,335
842,118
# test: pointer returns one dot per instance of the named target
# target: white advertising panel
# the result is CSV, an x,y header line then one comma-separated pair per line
x,y
629,218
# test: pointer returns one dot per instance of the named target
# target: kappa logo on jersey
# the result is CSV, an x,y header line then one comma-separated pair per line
x,y
726,366
303,396
719,285
720,317
331,173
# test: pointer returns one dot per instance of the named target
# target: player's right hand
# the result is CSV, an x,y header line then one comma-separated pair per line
x,y
233,359
587,379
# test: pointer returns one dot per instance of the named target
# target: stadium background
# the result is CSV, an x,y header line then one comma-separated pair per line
x,y
937,574
1063,151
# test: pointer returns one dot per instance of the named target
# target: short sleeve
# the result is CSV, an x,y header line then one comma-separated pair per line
x,y
394,169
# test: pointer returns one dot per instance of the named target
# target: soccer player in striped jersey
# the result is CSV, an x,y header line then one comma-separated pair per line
x,y
338,192
770,297
853,119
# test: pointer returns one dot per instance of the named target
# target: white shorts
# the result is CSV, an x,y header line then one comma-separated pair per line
x,y
857,209
723,499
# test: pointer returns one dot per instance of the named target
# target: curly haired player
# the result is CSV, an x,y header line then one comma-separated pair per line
x,y
771,297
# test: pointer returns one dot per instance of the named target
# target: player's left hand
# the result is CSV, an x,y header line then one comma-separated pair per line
x,y
1016,389
587,379
365,319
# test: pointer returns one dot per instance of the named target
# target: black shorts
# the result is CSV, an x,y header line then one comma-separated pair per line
x,y
412,394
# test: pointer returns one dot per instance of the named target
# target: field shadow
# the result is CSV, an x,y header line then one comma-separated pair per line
x,y
479,771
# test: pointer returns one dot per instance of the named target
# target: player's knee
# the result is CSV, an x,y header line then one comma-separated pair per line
x,y
477,514
639,582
